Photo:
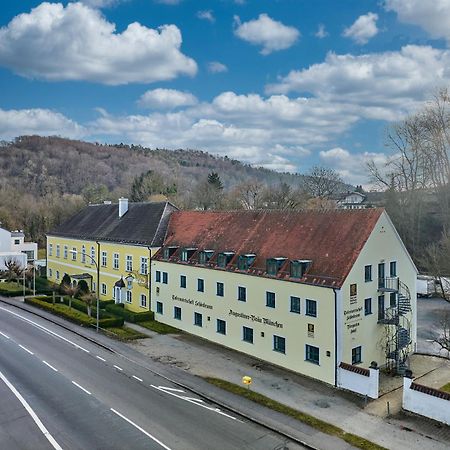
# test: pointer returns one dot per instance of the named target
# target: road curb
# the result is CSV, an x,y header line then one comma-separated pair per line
x,y
177,383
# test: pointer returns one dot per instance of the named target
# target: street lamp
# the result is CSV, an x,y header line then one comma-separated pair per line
x,y
74,252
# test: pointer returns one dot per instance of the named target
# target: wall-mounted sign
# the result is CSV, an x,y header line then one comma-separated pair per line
x,y
353,294
255,318
352,319
310,330
191,302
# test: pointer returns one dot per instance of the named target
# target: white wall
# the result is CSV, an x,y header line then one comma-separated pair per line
x,y
425,404
5,240
20,258
361,384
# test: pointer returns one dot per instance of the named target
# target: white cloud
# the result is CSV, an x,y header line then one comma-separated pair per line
x,y
217,67
76,42
206,15
100,3
433,16
384,86
321,31
20,122
166,99
352,166
270,34
364,28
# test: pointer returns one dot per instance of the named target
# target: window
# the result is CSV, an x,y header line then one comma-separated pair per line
x,y
311,308
103,289
159,307
16,241
74,253
393,268
57,250
221,326
245,261
247,334
144,265
182,281
271,267
392,299
367,306
184,255
356,355
295,305
270,299
129,263
129,297
177,312
312,354
219,289
205,256
367,273
158,276
116,261
83,254
380,307
198,319
50,249
104,259
92,254
165,277
50,273
94,286
279,344
242,294
57,274
65,251
200,285
144,301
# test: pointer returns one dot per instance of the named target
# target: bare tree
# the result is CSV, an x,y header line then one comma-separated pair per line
x,y
444,339
323,182
70,290
89,299
283,196
249,195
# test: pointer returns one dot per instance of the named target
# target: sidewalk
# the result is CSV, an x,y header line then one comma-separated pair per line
x,y
167,354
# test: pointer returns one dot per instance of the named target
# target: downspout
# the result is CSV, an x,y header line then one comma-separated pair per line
x,y
335,339
149,274
98,269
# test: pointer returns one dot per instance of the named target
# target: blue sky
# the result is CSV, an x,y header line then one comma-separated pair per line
x,y
283,84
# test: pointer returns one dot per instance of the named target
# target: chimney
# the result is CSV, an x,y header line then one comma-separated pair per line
x,y
123,206
106,202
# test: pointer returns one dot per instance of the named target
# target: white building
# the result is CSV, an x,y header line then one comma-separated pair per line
x,y
14,247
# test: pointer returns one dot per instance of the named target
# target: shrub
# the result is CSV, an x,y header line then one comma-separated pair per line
x,y
83,288
10,289
129,316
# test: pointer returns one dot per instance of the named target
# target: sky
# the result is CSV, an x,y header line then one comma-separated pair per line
x,y
283,84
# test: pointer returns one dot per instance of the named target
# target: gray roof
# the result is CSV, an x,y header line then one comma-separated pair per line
x,y
143,224
17,234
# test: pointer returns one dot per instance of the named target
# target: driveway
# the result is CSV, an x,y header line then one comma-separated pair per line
x,y
430,312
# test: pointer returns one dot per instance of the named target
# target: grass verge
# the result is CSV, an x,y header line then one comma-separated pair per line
x,y
445,388
125,333
318,424
159,327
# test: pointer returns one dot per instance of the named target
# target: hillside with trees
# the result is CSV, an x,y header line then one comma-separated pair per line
x,y
46,179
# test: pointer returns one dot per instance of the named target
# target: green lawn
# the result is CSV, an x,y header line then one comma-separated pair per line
x,y
319,424
125,333
42,254
159,327
446,388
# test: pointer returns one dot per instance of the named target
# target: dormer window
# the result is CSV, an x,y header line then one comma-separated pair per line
x,y
224,258
299,267
245,261
204,256
186,254
273,265
168,252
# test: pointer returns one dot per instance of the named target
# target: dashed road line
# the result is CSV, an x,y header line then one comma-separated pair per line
x,y
30,411
100,358
81,387
29,351
118,368
137,378
49,365
4,335
140,429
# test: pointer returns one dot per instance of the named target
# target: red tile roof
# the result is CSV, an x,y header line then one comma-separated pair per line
x,y
331,239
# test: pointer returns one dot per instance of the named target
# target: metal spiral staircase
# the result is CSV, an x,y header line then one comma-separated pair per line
x,y
398,342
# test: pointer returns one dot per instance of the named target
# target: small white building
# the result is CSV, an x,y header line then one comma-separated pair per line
x,y
14,247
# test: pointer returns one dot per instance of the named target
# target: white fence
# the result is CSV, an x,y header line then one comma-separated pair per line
x,y
359,380
426,401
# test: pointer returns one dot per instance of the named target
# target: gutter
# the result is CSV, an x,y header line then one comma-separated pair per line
x,y
335,338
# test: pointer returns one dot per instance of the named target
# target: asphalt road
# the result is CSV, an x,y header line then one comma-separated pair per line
x,y
85,397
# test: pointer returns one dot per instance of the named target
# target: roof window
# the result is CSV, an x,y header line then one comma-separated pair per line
x,y
204,256
224,258
245,261
168,252
186,253
299,267
273,265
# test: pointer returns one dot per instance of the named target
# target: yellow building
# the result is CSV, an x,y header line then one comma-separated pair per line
x,y
303,290
112,245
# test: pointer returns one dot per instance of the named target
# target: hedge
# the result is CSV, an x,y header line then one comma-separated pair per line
x,y
11,289
129,316
73,315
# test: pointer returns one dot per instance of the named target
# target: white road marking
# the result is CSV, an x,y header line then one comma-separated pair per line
x,y
46,330
29,351
171,389
30,411
49,365
137,378
197,402
4,335
100,358
81,387
140,429
118,368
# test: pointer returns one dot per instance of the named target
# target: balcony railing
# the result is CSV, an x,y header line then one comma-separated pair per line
x,y
388,284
